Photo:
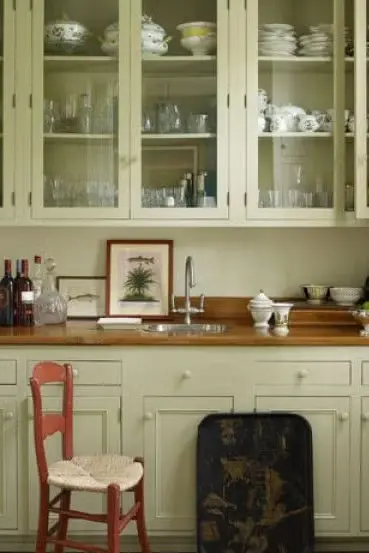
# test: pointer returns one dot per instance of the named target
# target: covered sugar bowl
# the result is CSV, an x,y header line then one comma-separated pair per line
x,y
261,309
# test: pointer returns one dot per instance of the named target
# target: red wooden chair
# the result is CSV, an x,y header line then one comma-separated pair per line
x,y
110,474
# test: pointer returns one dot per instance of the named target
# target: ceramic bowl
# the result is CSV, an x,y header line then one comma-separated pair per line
x,y
315,293
196,28
346,295
66,31
199,45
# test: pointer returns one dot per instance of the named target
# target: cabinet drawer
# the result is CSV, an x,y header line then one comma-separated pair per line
x,y
8,372
299,373
90,373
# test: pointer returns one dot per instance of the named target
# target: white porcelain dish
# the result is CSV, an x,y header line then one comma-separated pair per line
x,y
345,296
69,31
119,323
199,45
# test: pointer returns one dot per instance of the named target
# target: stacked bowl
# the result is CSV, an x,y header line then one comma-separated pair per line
x,y
198,37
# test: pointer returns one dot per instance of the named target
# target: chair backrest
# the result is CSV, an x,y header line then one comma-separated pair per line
x,y
47,424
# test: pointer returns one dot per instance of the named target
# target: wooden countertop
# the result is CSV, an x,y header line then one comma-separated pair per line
x,y
86,334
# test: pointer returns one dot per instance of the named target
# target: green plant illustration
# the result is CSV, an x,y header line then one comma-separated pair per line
x,y
138,284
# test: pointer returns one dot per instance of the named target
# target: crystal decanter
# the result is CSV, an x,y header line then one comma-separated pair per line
x,y
50,308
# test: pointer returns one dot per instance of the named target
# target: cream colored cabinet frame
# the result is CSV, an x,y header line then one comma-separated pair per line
x,y
37,184
7,211
310,216
361,109
221,211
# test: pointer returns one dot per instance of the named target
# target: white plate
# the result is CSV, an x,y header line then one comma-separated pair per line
x,y
277,27
119,323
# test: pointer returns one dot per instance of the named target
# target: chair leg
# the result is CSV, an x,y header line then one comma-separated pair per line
x,y
43,519
63,521
113,518
140,517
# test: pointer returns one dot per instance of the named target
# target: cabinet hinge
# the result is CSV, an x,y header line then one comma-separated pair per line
x,y
245,101
30,101
228,100
245,4
12,198
29,198
14,5
245,199
228,1
31,4
228,198
119,414
14,100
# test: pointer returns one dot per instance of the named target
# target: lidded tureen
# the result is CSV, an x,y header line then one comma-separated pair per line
x,y
261,308
153,37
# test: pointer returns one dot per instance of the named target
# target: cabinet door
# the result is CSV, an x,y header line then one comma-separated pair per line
x,y
97,430
361,109
364,473
329,419
7,111
80,116
179,109
170,435
293,143
9,464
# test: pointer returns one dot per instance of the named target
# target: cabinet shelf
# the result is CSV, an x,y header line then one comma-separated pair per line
x,y
177,65
295,135
81,64
67,137
177,136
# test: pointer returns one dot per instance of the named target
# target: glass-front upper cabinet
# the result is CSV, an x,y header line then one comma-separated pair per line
x,y
294,138
81,114
361,108
179,79
7,111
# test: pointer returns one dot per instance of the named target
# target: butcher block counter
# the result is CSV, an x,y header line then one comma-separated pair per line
x,y
87,334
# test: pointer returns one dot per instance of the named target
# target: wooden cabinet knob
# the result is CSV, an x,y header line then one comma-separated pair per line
x,y
8,416
187,374
149,416
365,416
343,416
75,372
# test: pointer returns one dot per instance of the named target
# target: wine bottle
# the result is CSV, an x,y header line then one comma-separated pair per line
x,y
24,297
7,296
16,310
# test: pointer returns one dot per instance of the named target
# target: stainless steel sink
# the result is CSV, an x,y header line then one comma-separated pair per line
x,y
181,328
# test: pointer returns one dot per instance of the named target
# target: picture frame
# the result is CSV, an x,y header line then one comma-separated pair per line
x,y
139,278
85,295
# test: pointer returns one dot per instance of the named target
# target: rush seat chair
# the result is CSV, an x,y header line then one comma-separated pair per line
x,y
108,474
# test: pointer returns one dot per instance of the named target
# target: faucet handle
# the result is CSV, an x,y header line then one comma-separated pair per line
x,y
173,304
202,301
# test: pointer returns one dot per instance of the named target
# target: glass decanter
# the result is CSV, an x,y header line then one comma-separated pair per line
x,y
50,308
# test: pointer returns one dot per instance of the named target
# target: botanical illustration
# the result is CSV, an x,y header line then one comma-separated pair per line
x,y
255,485
140,279
85,296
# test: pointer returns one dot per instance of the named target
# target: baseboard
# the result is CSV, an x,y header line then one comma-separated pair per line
x,y
176,544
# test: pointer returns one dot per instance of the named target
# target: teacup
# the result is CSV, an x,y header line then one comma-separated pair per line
x,y
281,313
278,123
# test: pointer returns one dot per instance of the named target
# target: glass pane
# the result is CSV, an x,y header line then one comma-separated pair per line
x,y
349,107
81,104
179,104
295,101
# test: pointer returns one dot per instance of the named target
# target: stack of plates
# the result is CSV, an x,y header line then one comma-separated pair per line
x,y
319,41
277,39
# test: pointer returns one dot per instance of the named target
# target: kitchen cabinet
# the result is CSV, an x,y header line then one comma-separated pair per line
x,y
9,463
329,418
97,430
7,110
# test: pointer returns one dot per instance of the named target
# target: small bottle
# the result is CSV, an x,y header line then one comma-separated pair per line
x,y
7,296
25,297
37,276
50,307
17,279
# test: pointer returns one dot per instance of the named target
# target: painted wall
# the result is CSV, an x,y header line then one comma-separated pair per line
x,y
228,262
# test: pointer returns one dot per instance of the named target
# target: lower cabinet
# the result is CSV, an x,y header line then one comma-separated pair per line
x,y
97,429
170,432
8,463
329,418
364,472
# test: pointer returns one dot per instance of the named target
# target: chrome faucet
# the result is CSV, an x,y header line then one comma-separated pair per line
x,y
188,309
